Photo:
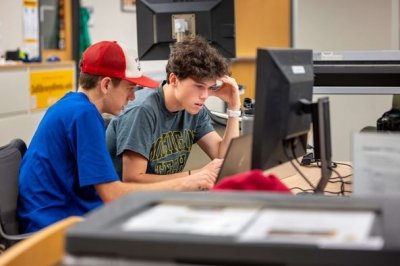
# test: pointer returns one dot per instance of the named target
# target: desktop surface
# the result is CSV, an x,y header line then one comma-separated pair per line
x,y
336,183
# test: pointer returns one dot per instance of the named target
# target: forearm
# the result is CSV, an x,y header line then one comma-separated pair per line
x,y
232,125
114,190
229,93
151,178
231,131
176,184
134,168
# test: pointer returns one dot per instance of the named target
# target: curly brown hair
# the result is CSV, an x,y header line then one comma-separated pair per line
x,y
195,58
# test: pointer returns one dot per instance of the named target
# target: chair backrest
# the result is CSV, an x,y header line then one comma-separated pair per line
x,y
45,247
10,160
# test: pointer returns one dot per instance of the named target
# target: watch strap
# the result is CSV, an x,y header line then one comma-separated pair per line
x,y
232,113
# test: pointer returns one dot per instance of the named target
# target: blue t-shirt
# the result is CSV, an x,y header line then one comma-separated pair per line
x,y
164,138
65,159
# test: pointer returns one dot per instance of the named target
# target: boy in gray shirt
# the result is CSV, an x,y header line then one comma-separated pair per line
x,y
151,140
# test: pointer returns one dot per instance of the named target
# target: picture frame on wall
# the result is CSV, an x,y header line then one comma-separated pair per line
x,y
128,5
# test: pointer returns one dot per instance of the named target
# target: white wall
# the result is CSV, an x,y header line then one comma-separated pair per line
x,y
346,24
329,25
10,25
110,23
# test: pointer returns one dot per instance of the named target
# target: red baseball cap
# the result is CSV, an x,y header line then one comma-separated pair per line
x,y
110,59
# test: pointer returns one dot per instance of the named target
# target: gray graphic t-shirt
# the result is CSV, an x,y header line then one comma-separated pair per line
x,y
148,128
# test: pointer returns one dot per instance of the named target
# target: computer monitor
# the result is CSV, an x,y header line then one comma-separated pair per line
x,y
160,23
322,140
284,111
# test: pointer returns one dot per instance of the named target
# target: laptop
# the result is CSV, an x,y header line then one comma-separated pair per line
x,y
237,158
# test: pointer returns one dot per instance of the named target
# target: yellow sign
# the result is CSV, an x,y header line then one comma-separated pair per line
x,y
47,87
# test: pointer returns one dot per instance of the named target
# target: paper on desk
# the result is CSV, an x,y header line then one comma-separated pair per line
x,y
222,221
333,229
376,162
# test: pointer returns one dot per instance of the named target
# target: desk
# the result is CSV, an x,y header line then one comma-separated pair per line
x,y
313,173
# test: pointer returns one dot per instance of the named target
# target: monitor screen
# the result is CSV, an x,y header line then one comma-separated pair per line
x,y
160,23
284,78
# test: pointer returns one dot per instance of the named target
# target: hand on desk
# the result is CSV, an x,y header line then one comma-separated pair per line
x,y
204,178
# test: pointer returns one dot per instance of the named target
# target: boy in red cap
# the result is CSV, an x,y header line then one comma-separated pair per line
x,y
67,169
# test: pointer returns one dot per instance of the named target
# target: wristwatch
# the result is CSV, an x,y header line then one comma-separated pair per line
x,y
232,113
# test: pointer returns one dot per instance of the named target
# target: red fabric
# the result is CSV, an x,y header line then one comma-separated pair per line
x,y
253,180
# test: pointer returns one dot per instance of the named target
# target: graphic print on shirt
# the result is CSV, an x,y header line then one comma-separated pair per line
x,y
170,151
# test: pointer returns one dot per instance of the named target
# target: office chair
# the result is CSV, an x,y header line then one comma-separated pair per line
x,y
10,160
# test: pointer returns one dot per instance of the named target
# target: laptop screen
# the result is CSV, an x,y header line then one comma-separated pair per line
x,y
237,158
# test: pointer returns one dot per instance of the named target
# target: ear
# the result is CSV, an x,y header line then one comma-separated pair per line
x,y
105,85
173,79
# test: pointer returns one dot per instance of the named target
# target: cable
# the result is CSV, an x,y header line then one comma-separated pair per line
x,y
331,179
302,189
346,164
346,176
316,163
294,166
342,188
334,165
342,182
338,193
341,179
